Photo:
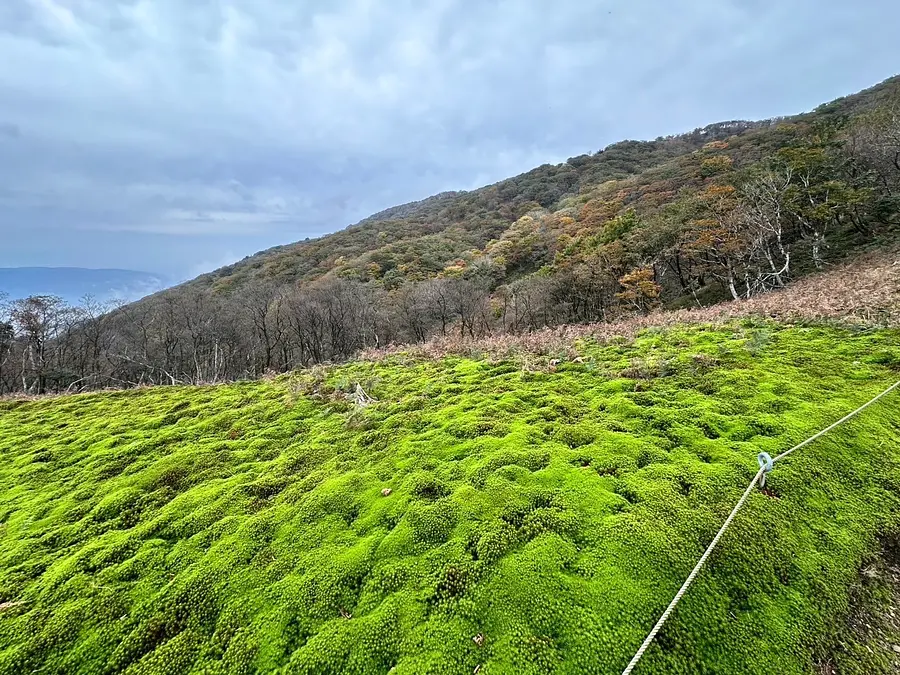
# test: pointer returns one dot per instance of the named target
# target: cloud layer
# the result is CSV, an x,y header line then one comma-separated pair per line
x,y
171,136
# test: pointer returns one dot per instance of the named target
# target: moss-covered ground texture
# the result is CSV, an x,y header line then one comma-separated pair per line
x,y
478,516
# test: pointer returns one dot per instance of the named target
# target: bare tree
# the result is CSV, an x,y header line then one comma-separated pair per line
x,y
37,320
765,215
439,297
414,311
467,301
7,336
258,304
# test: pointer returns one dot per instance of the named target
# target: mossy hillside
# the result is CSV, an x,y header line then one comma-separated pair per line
x,y
244,528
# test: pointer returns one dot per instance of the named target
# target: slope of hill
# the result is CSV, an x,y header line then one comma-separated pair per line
x,y
73,283
421,239
734,210
476,516
418,240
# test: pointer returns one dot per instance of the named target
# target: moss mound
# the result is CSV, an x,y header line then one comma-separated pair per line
x,y
477,515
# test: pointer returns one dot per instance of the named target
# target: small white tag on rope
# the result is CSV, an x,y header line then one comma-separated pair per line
x,y
765,463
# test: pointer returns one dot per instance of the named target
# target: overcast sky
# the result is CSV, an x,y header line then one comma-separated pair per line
x,y
174,136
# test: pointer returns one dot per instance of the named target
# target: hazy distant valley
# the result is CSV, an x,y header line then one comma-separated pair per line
x,y
73,283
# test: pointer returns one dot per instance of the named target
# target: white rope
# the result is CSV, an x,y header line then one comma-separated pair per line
x,y
839,422
759,474
693,574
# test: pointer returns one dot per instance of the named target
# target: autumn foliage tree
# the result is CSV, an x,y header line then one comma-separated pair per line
x,y
640,290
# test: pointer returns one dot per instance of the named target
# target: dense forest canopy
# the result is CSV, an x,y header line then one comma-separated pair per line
x,y
731,210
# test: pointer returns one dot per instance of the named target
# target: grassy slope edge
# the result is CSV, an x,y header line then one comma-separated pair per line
x,y
553,512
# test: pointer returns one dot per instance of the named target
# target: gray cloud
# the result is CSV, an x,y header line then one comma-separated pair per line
x,y
174,135
10,130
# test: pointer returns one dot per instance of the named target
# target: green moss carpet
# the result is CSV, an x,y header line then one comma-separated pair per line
x,y
477,515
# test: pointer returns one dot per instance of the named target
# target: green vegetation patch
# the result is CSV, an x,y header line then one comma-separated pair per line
x,y
476,515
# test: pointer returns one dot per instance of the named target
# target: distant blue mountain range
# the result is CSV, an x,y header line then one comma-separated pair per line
x,y
73,283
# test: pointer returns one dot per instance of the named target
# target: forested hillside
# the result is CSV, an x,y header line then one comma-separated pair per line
x,y
729,211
